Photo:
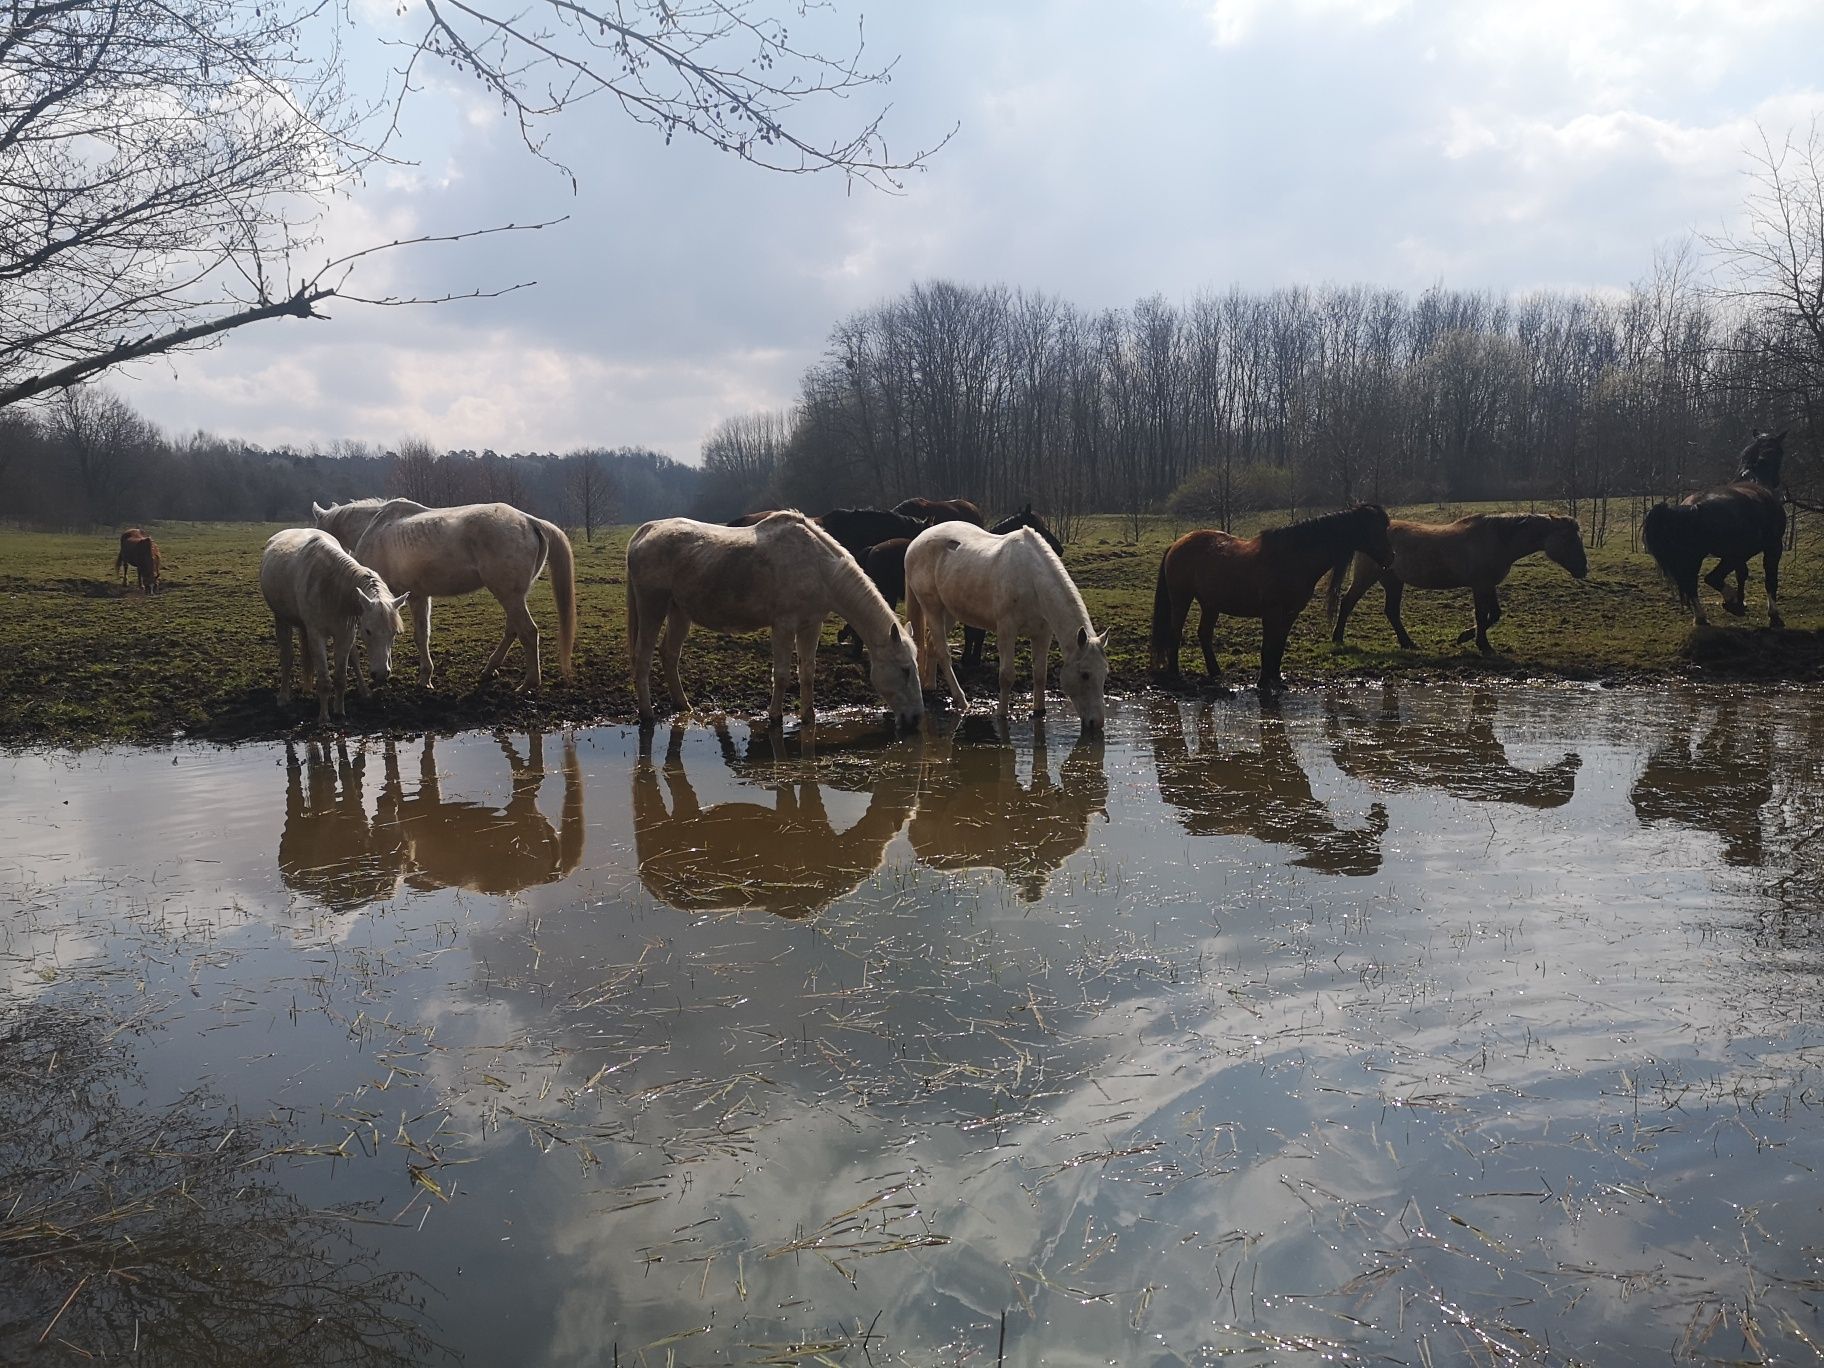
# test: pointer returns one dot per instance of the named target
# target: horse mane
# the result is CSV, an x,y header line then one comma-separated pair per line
x,y
1074,596
1308,531
850,584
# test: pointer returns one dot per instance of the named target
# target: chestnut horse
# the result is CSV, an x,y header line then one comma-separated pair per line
x,y
141,552
1735,523
1472,553
1270,577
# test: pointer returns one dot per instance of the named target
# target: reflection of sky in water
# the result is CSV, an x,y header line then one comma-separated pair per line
x,y
1420,1021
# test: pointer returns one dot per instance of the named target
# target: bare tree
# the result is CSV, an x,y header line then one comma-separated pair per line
x,y
105,439
590,490
166,162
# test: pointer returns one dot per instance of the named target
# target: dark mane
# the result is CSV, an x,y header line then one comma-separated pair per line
x,y
1314,531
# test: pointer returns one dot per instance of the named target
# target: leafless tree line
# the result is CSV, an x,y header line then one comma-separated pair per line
x,y
1292,398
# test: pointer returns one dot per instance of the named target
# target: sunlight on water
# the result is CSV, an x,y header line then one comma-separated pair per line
x,y
1425,1025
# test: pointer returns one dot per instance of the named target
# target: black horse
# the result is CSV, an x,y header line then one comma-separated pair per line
x,y
885,564
974,638
858,531
1735,523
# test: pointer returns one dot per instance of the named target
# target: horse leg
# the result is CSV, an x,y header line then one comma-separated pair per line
x,y
1206,638
808,634
782,673
645,640
520,624
283,631
677,627
1041,667
1350,598
340,650
316,649
1488,608
421,631
940,623
1273,633
1718,579
917,621
1770,569
1396,596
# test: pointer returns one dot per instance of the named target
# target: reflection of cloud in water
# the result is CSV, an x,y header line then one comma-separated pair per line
x,y
1226,787
974,813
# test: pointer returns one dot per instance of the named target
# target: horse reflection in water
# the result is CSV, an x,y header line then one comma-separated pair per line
x,y
974,813
1716,775
1261,792
787,858
1461,755
332,850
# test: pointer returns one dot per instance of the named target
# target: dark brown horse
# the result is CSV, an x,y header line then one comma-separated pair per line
x,y
1270,577
1474,553
1735,523
141,552
934,511
752,519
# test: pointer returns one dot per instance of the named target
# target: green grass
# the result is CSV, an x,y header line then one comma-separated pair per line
x,y
83,660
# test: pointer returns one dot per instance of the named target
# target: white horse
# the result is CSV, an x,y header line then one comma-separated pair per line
x,y
784,573
1014,586
315,587
437,552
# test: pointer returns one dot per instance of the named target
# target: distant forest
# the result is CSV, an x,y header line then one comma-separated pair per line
x,y
1297,399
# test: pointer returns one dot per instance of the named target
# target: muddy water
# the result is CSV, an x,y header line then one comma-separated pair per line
x,y
1415,1025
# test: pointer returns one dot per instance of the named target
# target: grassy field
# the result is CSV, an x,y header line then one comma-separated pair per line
x,y
83,660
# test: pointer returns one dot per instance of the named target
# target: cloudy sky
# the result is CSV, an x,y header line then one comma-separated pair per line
x,y
1103,152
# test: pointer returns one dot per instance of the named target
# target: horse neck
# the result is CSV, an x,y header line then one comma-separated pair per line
x,y
856,598
1065,612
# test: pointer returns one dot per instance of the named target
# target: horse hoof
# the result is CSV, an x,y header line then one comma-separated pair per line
x,y
1735,609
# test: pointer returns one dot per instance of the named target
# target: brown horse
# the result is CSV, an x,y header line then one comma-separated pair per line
x,y
1270,577
752,519
1735,523
121,563
1473,553
141,552
933,511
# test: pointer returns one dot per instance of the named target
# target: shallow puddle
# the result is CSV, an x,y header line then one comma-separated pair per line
x,y
1396,1024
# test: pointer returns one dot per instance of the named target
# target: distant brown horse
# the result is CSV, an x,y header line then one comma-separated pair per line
x,y
1270,577
931,511
141,552
1473,553
1733,522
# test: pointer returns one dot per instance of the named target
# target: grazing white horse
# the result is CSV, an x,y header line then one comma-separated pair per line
x,y
784,573
439,552
315,587
1014,586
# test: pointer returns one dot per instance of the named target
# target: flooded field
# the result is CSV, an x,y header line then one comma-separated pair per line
x,y
1395,1024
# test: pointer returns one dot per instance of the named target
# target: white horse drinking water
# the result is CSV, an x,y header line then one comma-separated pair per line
x,y
315,587
783,573
1014,586
438,552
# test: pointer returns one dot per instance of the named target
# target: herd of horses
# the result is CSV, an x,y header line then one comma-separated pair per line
x,y
347,576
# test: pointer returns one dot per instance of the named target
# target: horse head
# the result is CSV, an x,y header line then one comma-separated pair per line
x,y
1761,458
893,670
1563,542
1083,675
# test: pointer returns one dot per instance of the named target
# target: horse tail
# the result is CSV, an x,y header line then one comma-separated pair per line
x,y
1670,534
562,561
1164,649
633,620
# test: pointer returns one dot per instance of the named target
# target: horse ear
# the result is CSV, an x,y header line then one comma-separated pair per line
x,y
1082,636
1102,640
318,513
400,600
